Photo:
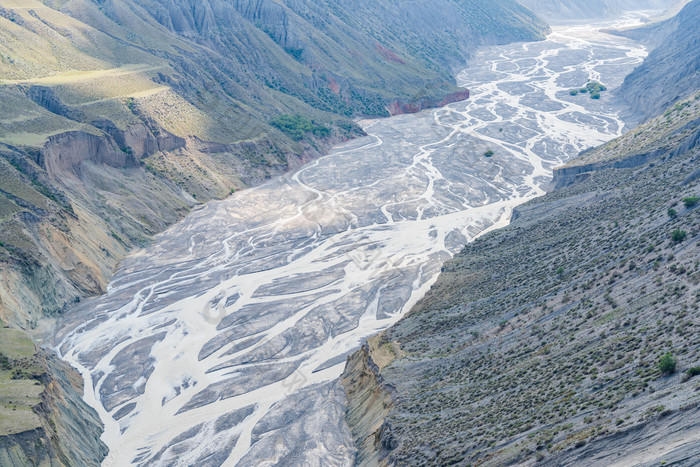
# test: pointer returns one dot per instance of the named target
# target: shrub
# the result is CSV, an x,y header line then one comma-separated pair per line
x,y
489,153
694,371
678,235
595,95
667,364
573,92
296,126
4,362
691,201
672,212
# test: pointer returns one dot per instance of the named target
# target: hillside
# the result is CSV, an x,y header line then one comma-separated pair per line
x,y
542,341
568,10
569,336
671,69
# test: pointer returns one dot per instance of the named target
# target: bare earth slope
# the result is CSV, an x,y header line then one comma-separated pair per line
x,y
671,70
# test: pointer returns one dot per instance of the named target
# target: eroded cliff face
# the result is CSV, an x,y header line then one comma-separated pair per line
x,y
370,400
421,103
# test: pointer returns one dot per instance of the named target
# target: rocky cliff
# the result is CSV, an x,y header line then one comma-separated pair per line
x,y
43,419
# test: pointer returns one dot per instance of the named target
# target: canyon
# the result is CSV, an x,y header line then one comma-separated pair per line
x,y
223,342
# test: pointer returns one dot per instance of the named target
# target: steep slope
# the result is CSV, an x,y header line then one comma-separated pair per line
x,y
43,419
671,69
543,341
117,116
568,337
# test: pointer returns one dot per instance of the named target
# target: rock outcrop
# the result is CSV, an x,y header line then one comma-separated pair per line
x,y
418,104
57,427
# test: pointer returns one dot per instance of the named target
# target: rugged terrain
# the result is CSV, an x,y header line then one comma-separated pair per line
x,y
569,336
43,420
118,116
223,341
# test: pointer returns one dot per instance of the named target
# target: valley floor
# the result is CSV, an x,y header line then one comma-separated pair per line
x,y
223,342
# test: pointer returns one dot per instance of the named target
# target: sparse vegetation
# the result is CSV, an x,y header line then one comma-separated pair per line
x,y
592,88
586,350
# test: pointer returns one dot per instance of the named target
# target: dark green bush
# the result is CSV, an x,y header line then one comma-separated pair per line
x,y
678,235
489,153
4,362
691,201
297,126
667,364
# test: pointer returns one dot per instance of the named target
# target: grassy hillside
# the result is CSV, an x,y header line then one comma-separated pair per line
x,y
550,335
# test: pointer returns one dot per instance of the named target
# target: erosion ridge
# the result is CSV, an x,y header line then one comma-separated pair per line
x,y
541,342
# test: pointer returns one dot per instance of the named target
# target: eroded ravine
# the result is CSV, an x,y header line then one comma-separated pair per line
x,y
222,343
